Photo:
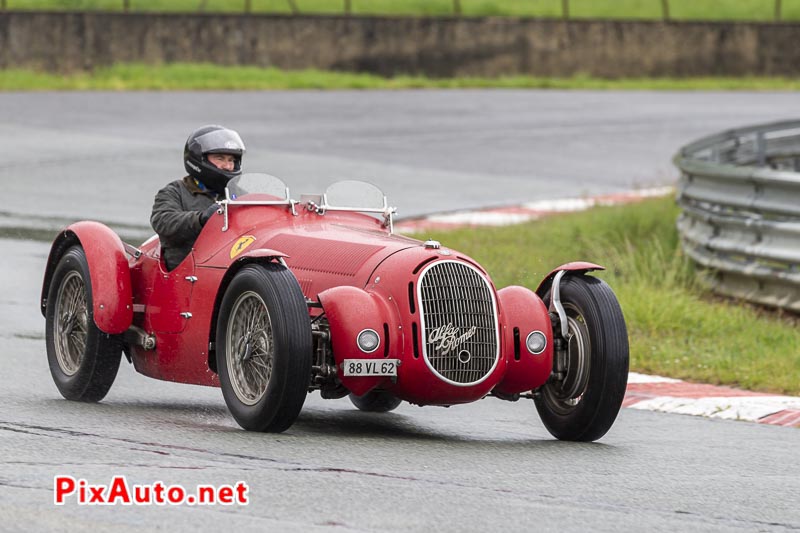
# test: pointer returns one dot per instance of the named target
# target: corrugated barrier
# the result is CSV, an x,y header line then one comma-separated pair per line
x,y
740,195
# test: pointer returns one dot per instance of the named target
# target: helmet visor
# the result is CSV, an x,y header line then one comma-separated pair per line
x,y
222,141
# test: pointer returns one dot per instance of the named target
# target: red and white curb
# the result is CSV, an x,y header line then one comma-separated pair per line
x,y
517,214
654,393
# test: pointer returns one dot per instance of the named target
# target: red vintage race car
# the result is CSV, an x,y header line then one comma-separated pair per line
x,y
282,297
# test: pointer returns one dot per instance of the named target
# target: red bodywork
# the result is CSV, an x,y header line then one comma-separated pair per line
x,y
109,270
348,266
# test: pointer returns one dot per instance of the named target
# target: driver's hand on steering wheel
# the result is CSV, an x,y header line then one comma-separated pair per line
x,y
208,213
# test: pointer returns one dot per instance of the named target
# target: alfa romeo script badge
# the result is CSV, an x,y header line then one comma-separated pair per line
x,y
447,338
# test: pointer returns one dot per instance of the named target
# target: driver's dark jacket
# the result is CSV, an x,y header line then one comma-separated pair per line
x,y
176,218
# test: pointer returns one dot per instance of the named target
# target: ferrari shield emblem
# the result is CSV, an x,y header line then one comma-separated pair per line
x,y
240,245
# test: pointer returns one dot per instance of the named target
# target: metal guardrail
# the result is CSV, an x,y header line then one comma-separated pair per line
x,y
740,195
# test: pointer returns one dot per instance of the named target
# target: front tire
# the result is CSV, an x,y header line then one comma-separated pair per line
x,y
264,348
376,401
582,404
83,360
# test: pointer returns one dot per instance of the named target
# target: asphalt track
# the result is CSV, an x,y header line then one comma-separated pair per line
x,y
485,466
104,155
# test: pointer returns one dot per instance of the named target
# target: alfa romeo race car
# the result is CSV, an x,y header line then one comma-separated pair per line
x,y
281,297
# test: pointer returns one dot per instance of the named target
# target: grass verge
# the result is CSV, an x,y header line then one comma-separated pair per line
x,y
763,10
186,76
676,328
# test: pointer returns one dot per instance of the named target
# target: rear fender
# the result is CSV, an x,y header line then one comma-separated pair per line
x,y
112,295
351,310
578,267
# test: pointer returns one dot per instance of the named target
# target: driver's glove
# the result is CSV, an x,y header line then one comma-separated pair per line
x,y
208,213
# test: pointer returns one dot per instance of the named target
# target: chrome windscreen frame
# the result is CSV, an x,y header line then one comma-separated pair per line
x,y
286,200
318,203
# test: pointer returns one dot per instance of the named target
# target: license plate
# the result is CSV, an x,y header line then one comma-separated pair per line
x,y
370,367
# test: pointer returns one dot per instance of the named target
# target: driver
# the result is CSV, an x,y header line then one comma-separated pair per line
x,y
212,156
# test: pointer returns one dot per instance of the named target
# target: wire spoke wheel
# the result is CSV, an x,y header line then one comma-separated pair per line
x,y
250,335
71,323
83,360
264,347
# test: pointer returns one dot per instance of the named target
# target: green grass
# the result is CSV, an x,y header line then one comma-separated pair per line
x,y
676,327
181,76
618,9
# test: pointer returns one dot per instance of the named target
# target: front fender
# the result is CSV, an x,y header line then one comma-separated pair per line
x,y
350,310
260,252
110,274
524,313
575,266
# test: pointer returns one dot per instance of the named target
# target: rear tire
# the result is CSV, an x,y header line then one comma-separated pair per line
x,y
376,402
583,404
264,348
83,360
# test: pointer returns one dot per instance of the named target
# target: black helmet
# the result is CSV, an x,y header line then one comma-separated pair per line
x,y
212,140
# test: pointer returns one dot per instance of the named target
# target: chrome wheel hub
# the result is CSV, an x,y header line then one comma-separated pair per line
x,y
567,392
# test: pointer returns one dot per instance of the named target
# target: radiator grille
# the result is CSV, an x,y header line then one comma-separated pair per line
x,y
459,322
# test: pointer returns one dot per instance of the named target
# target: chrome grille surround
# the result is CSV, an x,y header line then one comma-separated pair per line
x,y
458,321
